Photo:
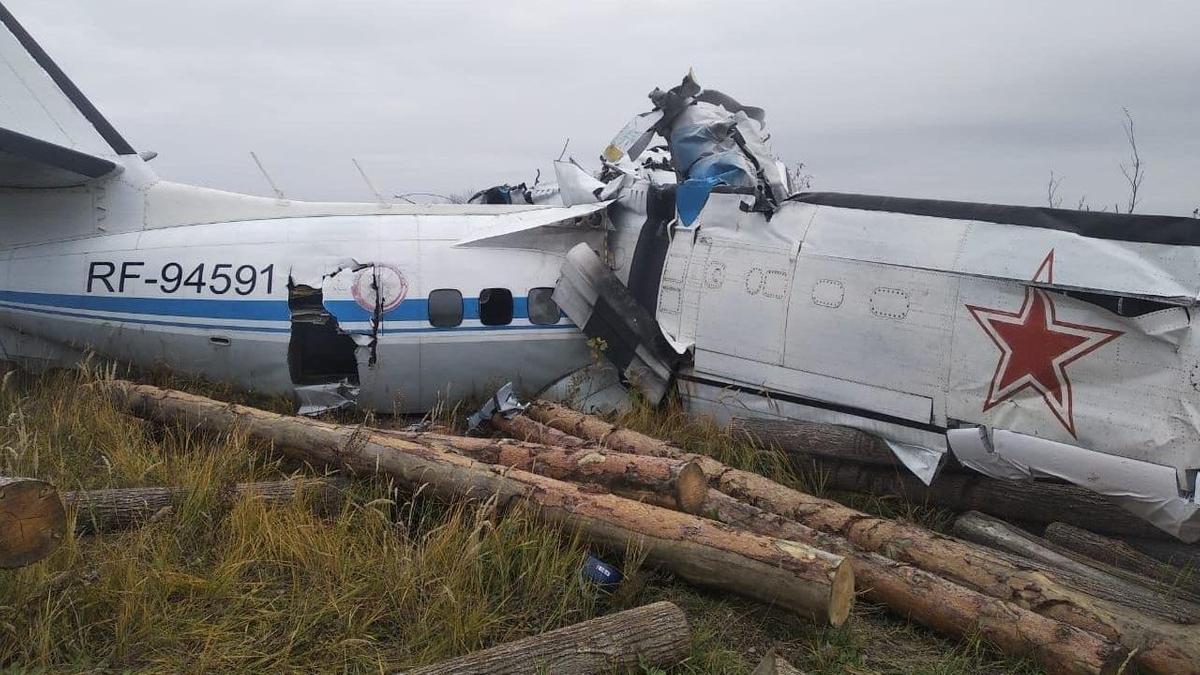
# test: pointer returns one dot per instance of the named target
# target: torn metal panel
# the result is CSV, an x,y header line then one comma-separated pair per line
x,y
551,229
358,299
924,463
575,185
973,449
321,357
714,141
1150,491
315,399
604,309
1055,366
594,389
504,402
634,137
312,271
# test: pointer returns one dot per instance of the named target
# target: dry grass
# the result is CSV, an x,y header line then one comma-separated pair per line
x,y
390,582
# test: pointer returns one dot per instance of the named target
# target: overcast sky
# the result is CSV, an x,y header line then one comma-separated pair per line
x,y
954,99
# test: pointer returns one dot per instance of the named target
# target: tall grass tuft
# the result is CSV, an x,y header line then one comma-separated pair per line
x,y
388,582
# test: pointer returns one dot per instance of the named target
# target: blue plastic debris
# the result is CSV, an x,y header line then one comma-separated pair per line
x,y
601,573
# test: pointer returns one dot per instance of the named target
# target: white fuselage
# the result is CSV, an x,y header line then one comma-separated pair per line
x,y
212,298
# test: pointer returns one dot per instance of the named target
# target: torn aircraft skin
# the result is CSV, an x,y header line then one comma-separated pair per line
x,y
1026,342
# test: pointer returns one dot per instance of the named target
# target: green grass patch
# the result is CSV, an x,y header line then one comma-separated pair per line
x,y
390,582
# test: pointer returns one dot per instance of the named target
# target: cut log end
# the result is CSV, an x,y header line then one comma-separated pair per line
x,y
691,488
32,521
841,594
838,598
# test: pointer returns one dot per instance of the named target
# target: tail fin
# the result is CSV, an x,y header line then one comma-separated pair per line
x,y
50,133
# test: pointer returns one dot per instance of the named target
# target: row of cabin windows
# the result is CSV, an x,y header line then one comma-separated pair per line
x,y
495,307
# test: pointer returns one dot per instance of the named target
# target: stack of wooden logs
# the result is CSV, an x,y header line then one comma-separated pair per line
x,y
736,531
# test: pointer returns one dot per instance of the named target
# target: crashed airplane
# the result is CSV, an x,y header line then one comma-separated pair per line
x,y
1026,342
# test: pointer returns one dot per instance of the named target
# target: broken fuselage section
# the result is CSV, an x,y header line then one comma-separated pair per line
x,y
1024,342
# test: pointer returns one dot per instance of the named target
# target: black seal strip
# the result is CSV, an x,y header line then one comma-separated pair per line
x,y
1170,230
650,253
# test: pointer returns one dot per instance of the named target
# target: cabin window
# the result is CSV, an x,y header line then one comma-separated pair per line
x,y
543,311
495,306
445,308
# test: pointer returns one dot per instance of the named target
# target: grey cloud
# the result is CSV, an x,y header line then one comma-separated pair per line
x,y
930,98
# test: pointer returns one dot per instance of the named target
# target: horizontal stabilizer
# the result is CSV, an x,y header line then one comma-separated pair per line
x,y
27,162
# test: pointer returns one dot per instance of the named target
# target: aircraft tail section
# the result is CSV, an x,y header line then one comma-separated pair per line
x,y
50,133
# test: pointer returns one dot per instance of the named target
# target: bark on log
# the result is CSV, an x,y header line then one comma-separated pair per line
x,y
1119,554
527,429
806,440
1032,501
32,521
118,509
941,605
795,576
1161,646
653,635
580,463
1103,582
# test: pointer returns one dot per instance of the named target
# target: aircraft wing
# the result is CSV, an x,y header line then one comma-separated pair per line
x,y
50,133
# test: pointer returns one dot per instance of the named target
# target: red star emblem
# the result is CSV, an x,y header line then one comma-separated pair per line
x,y
1035,348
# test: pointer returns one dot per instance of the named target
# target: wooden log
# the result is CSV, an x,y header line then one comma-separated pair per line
x,y
934,602
682,479
1103,582
1159,646
803,579
652,635
1120,554
807,440
124,508
1031,501
527,429
1185,556
32,521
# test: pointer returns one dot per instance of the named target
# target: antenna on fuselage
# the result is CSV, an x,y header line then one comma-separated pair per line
x,y
367,180
278,193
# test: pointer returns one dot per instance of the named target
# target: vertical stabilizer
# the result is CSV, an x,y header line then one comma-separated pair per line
x,y
38,100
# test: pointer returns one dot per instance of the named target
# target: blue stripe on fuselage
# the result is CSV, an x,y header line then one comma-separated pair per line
x,y
254,310
412,309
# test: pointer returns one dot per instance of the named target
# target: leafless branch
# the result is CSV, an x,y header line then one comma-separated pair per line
x,y
1134,172
1052,198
